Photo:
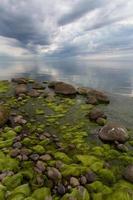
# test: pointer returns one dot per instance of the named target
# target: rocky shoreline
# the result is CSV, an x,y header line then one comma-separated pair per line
x,y
56,143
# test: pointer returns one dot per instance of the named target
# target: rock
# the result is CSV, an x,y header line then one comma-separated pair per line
x,y
34,93
52,84
14,152
95,114
122,147
54,174
83,180
100,96
64,88
101,121
20,80
4,115
38,86
48,135
40,180
90,177
83,90
92,100
61,189
17,145
112,132
128,173
21,89
45,157
19,120
40,165
34,157
74,182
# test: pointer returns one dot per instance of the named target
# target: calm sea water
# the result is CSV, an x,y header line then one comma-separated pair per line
x,y
114,77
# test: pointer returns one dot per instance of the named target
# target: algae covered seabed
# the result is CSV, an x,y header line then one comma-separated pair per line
x,y
50,149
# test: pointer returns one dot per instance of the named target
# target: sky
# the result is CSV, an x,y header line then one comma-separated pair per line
x,y
66,28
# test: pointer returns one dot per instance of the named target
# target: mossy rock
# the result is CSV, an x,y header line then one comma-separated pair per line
x,y
4,86
18,129
4,114
6,143
38,149
12,182
63,157
73,170
121,195
22,189
29,198
9,135
107,176
2,192
77,194
98,187
7,163
17,197
42,194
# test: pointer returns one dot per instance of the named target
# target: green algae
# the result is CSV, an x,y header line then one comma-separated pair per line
x,y
7,163
42,194
12,182
39,149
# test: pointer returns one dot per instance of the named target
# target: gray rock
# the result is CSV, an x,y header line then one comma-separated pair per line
x,y
34,156
61,189
45,157
54,173
40,165
128,173
83,180
90,177
112,132
14,152
17,145
74,182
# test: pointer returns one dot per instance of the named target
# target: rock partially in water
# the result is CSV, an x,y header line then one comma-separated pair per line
x,y
64,88
21,89
20,80
95,114
128,173
4,115
113,132
92,100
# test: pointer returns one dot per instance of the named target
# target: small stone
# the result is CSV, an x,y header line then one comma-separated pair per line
x,y
17,145
40,180
40,165
90,176
92,100
74,182
83,180
95,114
128,173
45,157
122,147
101,121
34,93
59,164
42,137
25,151
14,152
34,157
61,189
48,135
19,120
54,174
21,89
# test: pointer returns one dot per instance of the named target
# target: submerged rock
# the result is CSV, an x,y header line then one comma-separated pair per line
x,y
113,132
128,173
4,115
64,88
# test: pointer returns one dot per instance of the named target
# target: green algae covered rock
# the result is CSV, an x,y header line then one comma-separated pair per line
x,y
12,182
42,194
2,192
73,170
22,189
98,187
6,143
9,134
4,115
107,175
29,198
4,86
38,149
63,157
7,163
77,194
121,195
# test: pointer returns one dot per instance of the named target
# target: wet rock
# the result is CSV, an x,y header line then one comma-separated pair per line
x,y
74,182
21,89
128,173
4,115
100,96
52,84
122,147
19,120
61,189
101,121
113,132
46,157
34,93
92,100
40,165
34,157
64,88
38,86
54,174
83,90
90,177
20,80
83,180
14,152
17,145
95,114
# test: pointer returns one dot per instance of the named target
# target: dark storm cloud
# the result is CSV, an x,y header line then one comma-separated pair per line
x,y
79,10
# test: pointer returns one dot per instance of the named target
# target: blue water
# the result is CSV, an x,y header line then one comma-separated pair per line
x,y
114,77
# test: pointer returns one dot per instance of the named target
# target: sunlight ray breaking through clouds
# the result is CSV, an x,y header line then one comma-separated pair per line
x,y
84,28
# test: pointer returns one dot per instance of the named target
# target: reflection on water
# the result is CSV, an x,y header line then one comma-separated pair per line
x,y
113,77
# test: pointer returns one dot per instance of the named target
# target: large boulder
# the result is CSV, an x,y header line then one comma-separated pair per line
x,y
4,115
112,132
21,89
64,88
128,173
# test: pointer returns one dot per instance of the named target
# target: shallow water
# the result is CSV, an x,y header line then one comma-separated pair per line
x,y
114,77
